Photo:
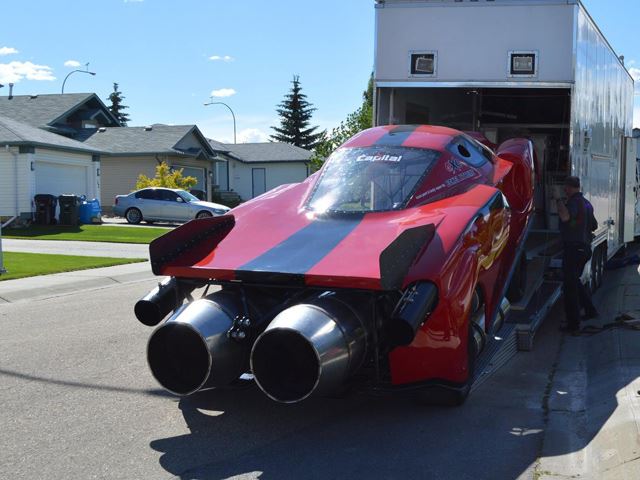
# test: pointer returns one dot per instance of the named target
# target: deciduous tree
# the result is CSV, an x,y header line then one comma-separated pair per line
x,y
355,122
166,177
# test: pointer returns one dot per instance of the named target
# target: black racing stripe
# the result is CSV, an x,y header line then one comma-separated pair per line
x,y
302,250
397,136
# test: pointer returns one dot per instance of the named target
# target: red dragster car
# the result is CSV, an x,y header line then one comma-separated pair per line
x,y
388,268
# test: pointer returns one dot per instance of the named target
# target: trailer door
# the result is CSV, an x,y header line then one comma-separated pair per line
x,y
630,189
616,190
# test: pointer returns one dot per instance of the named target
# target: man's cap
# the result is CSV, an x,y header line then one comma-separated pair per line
x,y
572,182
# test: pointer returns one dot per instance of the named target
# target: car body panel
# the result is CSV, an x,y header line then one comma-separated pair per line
x,y
458,230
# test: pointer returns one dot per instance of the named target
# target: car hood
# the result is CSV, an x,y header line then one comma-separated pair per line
x,y
275,240
217,206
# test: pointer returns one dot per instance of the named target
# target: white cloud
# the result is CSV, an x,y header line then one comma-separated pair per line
x,y
635,73
252,135
636,117
224,58
223,92
13,72
72,63
7,51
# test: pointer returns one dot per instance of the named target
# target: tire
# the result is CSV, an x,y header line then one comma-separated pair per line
x,y
597,268
204,214
133,216
517,287
602,260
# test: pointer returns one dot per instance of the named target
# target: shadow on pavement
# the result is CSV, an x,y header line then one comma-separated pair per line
x,y
244,433
552,402
158,392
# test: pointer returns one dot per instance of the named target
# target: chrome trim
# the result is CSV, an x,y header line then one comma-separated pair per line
x,y
205,322
329,328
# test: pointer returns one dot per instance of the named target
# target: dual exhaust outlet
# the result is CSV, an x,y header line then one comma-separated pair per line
x,y
309,348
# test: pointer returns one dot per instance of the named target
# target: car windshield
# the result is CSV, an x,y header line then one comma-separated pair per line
x,y
370,179
187,197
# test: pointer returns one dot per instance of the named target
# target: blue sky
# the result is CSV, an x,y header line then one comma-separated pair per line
x,y
169,56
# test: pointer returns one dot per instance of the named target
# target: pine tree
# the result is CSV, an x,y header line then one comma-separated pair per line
x,y
295,114
116,107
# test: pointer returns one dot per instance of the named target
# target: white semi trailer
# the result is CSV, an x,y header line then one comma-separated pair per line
x,y
541,69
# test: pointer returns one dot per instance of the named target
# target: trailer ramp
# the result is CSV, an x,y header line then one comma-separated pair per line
x,y
518,332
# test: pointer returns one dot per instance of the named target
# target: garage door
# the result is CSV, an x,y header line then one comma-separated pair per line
x,y
58,179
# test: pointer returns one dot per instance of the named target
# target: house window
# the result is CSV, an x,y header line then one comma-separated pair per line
x,y
523,64
422,63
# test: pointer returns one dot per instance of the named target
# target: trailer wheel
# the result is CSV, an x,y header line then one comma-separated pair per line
x,y
602,260
597,269
517,287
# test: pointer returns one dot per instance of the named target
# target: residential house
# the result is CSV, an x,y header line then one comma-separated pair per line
x,y
254,168
33,160
130,151
120,153
63,114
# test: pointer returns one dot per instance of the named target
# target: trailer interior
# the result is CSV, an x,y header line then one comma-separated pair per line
x,y
540,114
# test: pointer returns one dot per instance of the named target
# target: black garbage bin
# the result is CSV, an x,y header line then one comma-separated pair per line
x,y
45,208
69,209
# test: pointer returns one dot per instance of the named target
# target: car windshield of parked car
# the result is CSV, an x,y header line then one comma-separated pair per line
x,y
370,179
187,197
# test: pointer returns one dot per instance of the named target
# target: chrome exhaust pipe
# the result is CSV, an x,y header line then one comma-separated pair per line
x,y
309,348
192,351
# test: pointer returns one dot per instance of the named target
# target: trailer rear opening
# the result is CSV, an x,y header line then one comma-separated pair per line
x,y
539,69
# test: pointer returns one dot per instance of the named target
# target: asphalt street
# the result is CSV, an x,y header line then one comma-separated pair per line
x,y
78,402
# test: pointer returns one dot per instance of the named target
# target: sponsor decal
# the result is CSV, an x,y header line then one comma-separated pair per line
x,y
453,165
379,157
451,182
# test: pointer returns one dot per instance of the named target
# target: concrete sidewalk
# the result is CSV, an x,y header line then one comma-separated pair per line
x,y
593,401
47,286
70,247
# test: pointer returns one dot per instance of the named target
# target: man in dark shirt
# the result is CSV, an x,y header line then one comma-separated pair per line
x,y
577,223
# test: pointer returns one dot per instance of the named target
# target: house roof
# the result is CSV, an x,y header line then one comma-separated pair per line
x,y
154,139
44,110
13,132
266,152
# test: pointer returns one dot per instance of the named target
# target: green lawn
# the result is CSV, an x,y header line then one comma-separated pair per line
x,y
87,233
20,265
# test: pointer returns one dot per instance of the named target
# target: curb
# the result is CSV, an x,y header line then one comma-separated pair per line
x,y
48,286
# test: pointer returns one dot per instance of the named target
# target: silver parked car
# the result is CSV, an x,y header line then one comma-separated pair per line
x,y
164,204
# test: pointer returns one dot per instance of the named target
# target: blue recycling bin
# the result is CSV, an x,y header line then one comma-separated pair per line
x,y
90,210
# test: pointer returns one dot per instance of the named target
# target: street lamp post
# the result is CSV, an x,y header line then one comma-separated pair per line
x,y
74,71
232,114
